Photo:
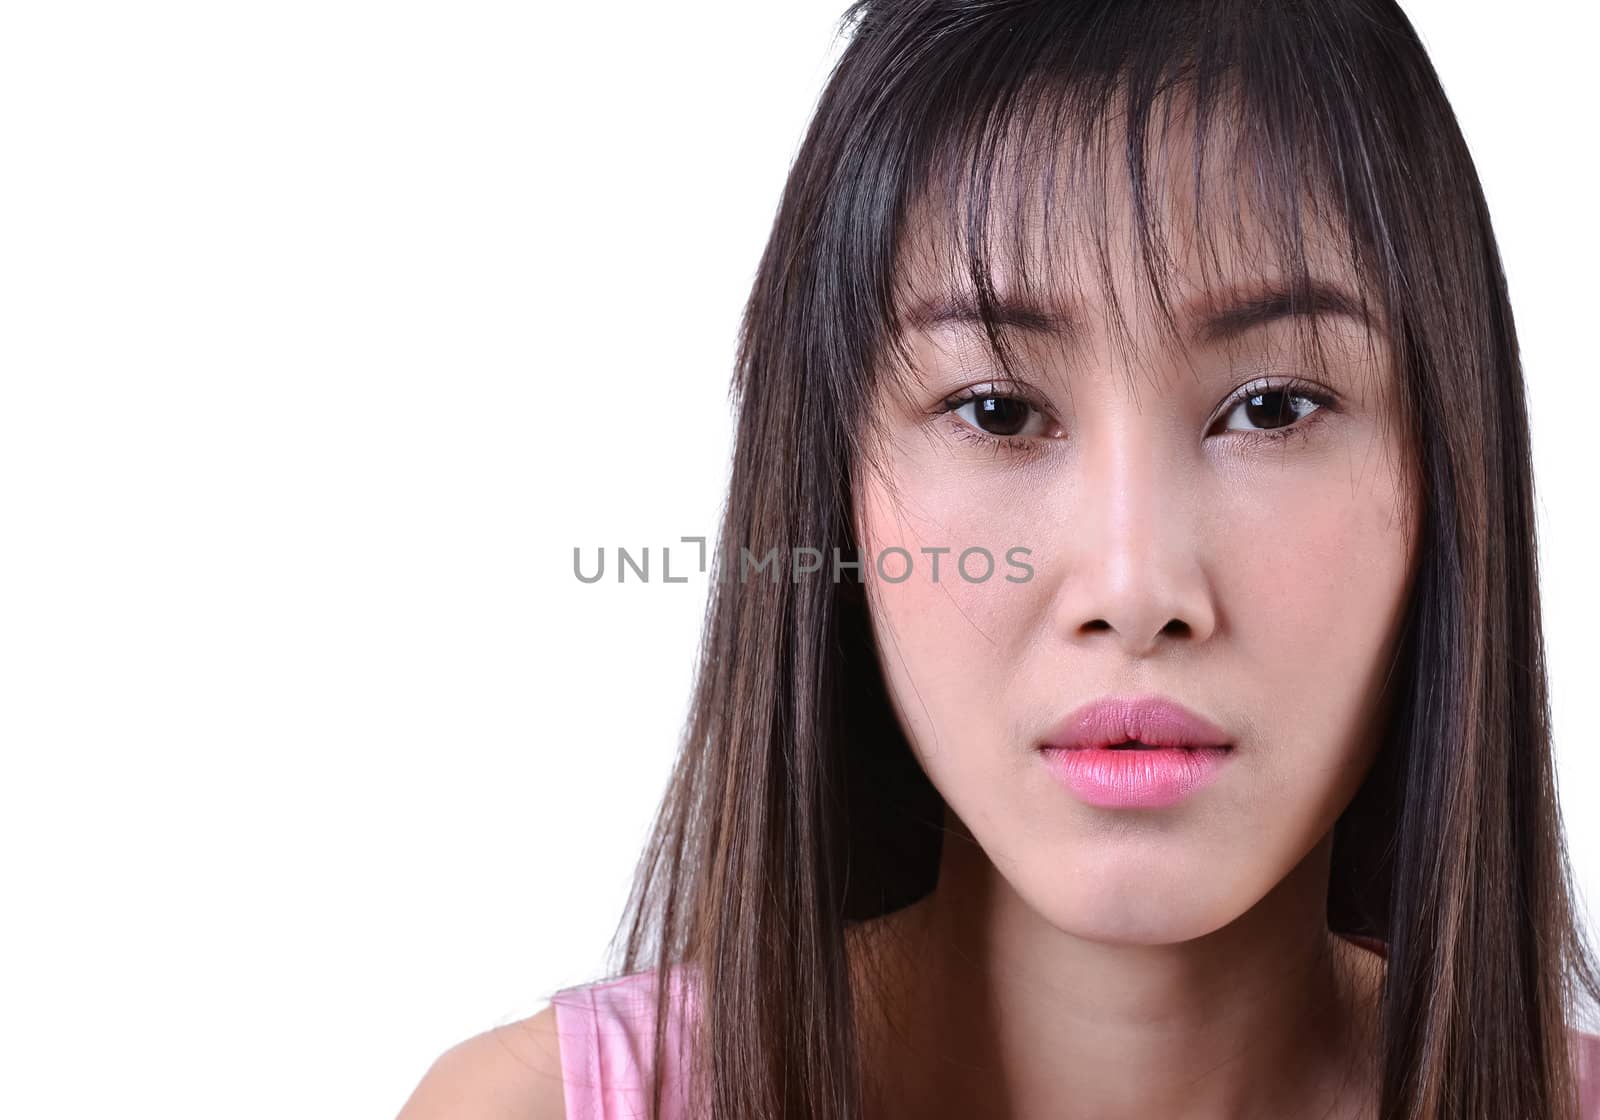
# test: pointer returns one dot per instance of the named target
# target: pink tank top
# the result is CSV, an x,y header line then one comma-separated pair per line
x,y
606,1033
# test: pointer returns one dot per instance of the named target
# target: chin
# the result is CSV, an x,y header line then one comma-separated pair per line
x,y
1151,924
1137,906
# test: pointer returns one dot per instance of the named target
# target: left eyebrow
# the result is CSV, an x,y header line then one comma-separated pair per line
x,y
1247,311
1235,313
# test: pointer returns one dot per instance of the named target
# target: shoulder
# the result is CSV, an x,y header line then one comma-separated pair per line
x,y
511,1071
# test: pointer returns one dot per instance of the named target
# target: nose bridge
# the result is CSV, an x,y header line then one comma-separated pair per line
x,y
1120,492
1132,564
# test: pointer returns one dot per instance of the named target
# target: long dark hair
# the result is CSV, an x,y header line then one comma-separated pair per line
x,y
796,809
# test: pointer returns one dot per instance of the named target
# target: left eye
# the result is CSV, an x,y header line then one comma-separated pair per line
x,y
1270,409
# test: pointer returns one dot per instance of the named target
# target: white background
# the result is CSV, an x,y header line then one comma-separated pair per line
x,y
326,331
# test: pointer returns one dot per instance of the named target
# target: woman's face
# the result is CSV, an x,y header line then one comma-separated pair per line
x,y
1177,551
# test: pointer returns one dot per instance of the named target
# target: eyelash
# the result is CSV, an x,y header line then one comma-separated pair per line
x,y
1292,387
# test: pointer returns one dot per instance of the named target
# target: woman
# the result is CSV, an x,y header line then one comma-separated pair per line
x,y
1179,746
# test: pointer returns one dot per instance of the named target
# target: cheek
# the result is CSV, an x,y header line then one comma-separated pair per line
x,y
1314,583
970,595
949,640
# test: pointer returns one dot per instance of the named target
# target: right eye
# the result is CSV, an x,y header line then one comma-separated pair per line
x,y
1000,415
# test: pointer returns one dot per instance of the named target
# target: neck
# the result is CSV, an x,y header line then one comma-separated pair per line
x,y
987,1009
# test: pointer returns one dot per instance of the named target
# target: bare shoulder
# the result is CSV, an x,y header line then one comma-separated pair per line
x,y
512,1072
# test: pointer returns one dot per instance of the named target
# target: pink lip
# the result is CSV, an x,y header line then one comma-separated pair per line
x,y
1185,752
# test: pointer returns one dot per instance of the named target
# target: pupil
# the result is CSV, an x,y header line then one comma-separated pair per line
x,y
1269,415
1001,416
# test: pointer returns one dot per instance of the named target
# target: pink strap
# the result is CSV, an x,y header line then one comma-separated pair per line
x,y
606,1034
1587,1047
580,1054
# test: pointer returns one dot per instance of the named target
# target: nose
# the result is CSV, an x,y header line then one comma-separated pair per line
x,y
1133,566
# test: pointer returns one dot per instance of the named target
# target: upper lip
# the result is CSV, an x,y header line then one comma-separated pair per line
x,y
1155,721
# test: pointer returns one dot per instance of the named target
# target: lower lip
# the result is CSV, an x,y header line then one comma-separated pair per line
x,y
1152,778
